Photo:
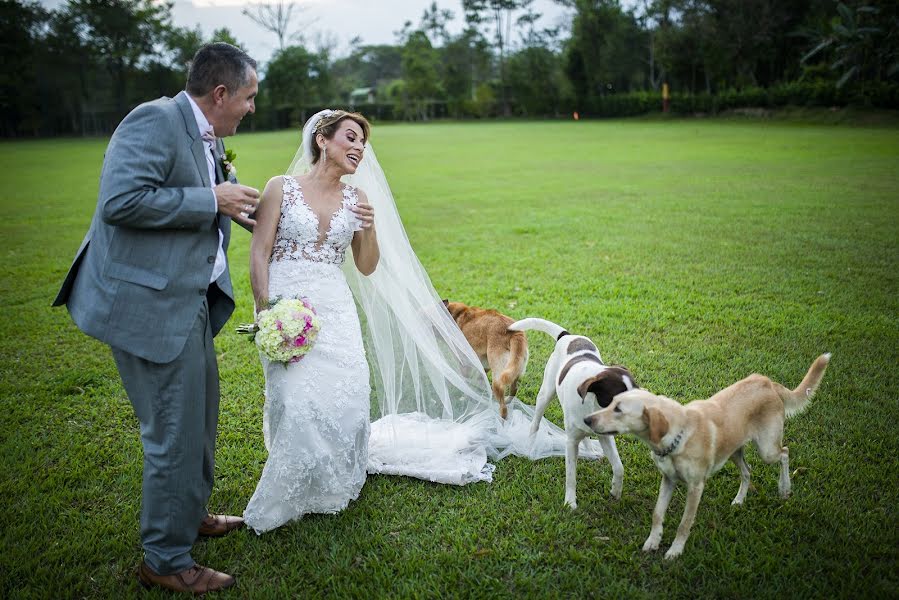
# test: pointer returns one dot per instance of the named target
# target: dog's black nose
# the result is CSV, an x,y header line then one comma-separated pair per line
x,y
588,421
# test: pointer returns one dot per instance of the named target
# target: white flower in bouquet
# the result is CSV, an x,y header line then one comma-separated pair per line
x,y
286,331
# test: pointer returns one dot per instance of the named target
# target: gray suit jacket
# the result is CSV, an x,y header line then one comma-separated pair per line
x,y
142,271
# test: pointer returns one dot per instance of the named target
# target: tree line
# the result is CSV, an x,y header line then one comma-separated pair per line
x,y
78,69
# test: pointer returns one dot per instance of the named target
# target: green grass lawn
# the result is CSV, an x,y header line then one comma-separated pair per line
x,y
695,252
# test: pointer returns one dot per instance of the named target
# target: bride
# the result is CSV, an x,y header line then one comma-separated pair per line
x,y
385,337
316,414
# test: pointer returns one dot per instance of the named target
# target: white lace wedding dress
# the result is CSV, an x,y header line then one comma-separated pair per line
x,y
316,414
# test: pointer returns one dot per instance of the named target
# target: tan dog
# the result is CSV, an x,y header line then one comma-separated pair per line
x,y
503,352
692,442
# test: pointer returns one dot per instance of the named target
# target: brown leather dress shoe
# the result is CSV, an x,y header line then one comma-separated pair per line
x,y
219,525
195,580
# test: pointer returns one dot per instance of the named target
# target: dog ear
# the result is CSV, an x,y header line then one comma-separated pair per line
x,y
587,384
625,372
446,302
604,386
657,423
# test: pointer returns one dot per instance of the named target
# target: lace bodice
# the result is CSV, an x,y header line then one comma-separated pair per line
x,y
301,236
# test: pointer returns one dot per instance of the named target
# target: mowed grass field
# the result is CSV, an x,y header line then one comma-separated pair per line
x,y
695,252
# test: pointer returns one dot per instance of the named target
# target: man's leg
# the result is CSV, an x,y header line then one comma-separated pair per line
x,y
211,418
171,402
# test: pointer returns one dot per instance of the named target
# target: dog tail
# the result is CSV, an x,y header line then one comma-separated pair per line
x,y
508,378
796,400
543,325
518,358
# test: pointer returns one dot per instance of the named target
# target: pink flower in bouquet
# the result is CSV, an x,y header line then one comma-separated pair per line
x,y
287,330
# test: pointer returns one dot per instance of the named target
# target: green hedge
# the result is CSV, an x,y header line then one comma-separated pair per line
x,y
810,93
818,93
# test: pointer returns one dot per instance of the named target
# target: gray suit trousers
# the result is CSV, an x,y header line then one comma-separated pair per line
x,y
177,406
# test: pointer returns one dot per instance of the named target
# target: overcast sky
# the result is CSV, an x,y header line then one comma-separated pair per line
x,y
375,21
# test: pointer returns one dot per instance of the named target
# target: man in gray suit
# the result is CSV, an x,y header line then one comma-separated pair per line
x,y
151,280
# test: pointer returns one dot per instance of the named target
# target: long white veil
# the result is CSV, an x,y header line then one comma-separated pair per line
x,y
433,414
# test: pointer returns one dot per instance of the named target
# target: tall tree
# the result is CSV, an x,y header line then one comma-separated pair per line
x,y
288,81
687,48
604,53
223,34
745,38
122,33
21,42
434,21
501,13
536,81
420,73
72,77
711,45
367,66
276,18
466,66
182,43
295,81
325,45
654,16
860,43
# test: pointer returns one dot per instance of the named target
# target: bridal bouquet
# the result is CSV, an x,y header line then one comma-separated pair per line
x,y
286,331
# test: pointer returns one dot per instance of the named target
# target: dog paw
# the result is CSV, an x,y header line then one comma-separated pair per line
x,y
571,504
673,552
650,545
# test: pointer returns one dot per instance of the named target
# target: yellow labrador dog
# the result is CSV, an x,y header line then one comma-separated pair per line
x,y
692,442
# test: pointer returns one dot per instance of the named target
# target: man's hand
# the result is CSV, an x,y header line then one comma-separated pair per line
x,y
237,201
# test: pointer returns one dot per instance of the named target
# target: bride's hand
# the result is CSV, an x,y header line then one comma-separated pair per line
x,y
365,213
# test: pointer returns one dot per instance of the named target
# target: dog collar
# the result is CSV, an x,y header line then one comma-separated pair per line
x,y
671,447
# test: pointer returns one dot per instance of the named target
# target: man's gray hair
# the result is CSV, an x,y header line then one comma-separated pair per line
x,y
218,64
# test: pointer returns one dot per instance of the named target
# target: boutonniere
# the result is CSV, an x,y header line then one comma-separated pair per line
x,y
227,163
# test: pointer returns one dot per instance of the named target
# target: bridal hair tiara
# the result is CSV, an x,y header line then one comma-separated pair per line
x,y
310,129
321,117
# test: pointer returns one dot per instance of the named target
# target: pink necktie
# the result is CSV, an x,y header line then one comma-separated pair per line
x,y
208,135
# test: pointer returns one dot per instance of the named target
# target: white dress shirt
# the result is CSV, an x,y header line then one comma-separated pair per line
x,y
219,267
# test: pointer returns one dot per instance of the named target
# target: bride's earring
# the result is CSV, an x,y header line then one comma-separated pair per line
x,y
325,153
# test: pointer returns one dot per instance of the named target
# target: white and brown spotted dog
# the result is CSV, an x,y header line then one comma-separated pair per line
x,y
692,442
502,352
584,384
